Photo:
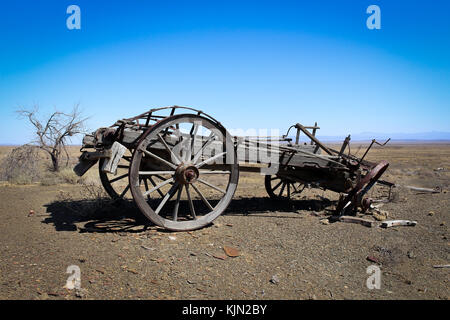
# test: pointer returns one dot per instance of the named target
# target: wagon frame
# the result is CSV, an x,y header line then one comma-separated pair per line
x,y
183,153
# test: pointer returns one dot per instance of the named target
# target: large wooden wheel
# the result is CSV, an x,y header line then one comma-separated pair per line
x,y
117,185
280,188
191,159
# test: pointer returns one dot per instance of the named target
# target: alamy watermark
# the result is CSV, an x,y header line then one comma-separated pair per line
x,y
74,20
74,280
374,280
374,20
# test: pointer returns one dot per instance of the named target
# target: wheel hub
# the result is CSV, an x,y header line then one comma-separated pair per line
x,y
186,174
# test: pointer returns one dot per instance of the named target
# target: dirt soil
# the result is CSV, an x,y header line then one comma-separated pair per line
x,y
285,250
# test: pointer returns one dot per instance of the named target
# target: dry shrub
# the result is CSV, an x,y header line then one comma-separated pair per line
x,y
21,165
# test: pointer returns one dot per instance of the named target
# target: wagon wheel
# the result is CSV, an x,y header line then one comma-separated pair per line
x,y
282,188
117,186
191,159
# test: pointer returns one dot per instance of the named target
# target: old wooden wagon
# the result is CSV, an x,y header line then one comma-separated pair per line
x,y
181,166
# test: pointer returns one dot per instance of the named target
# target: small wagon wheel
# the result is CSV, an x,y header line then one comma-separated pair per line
x,y
117,185
280,188
191,159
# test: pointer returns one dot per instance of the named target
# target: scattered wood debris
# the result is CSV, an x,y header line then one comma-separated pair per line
x,y
219,256
274,279
442,266
364,222
435,190
395,223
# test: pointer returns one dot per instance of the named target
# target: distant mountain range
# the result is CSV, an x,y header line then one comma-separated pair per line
x,y
367,136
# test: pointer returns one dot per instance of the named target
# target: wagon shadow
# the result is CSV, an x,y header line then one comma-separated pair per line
x,y
98,215
104,215
260,206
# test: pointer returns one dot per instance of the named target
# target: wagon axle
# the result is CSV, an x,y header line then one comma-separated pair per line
x,y
186,174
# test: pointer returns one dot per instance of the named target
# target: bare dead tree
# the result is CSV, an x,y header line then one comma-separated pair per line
x,y
53,134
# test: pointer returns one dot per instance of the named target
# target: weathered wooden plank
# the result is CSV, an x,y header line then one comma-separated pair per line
x,y
395,223
364,222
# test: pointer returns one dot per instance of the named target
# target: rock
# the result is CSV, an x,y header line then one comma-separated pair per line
x,y
373,259
43,296
81,293
324,221
274,279
410,255
132,271
231,252
431,213
379,216
172,238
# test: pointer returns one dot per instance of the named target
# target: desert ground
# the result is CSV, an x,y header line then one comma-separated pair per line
x,y
286,249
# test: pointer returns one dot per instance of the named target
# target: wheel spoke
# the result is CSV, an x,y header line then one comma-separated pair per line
x,y
168,195
276,187
172,154
211,185
191,204
146,187
200,152
124,191
158,186
203,198
201,164
154,173
177,204
193,134
118,178
160,159
282,189
154,184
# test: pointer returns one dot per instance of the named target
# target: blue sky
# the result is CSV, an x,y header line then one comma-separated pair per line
x,y
250,64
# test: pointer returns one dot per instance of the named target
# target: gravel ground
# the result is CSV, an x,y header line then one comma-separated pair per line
x,y
284,250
